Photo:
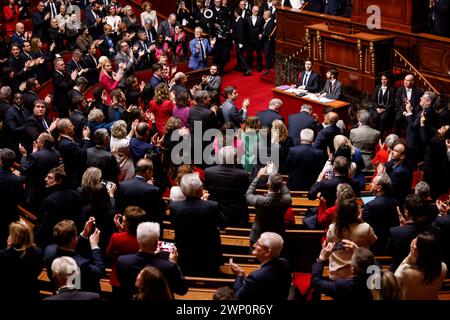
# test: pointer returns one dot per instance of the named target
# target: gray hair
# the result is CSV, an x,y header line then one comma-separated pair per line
x,y
307,135
306,107
63,124
95,114
384,181
227,155
422,189
391,140
431,95
63,268
272,241
275,104
147,234
364,117
99,136
190,185
178,76
200,96
119,129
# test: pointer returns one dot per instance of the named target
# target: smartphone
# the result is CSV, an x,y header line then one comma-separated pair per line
x,y
338,246
107,184
165,246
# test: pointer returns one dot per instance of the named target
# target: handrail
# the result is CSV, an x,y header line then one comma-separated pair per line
x,y
413,69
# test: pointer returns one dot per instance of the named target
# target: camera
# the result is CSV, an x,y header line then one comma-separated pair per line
x,y
165,246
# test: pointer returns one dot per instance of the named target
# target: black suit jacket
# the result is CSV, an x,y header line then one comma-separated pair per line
x,y
94,29
438,18
129,266
98,157
313,84
400,95
304,163
384,101
255,30
381,215
328,189
325,138
66,294
15,124
401,180
74,159
270,282
29,98
93,74
137,192
227,186
34,127
442,225
241,32
268,27
297,122
266,117
71,66
79,121
39,24
196,221
62,83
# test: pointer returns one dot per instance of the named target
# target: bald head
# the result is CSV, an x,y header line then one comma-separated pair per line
x,y
20,28
409,81
333,117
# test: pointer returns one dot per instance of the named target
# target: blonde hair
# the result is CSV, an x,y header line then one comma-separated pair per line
x,y
20,236
119,129
161,93
104,62
279,131
390,287
340,140
91,178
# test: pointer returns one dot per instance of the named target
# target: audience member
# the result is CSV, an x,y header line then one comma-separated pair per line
x,y
365,138
299,121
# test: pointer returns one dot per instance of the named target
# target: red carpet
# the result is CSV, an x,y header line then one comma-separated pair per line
x,y
259,91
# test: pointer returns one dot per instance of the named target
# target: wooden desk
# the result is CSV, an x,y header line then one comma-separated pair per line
x,y
292,104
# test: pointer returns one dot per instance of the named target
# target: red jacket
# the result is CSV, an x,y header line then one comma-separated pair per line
x,y
120,243
11,19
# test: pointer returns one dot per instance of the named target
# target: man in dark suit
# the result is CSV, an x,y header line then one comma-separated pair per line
x,y
256,24
381,213
92,67
272,280
352,289
64,271
327,188
270,208
442,225
326,136
399,172
37,123
62,83
78,118
197,221
76,63
129,266
30,95
407,93
229,110
304,162
268,39
93,20
299,121
99,157
83,249
333,87
438,23
11,192
400,237
72,154
227,185
35,167
81,84
15,122
156,78
138,192
5,96
59,204
241,36
383,105
308,79
167,28
40,20
266,117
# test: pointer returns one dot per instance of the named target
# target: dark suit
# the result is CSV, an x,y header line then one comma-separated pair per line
x,y
74,159
438,18
328,189
268,41
325,138
166,29
72,65
241,36
98,157
92,267
197,222
381,214
401,180
227,186
4,106
29,98
35,167
39,24
34,127
129,266
333,91
271,282
60,204
208,119
255,43
297,122
335,7
400,241
79,121
11,195
386,101
312,82
304,163
92,75
266,117
66,294
442,225
94,29
15,123
352,289
137,192
400,96
270,210
62,83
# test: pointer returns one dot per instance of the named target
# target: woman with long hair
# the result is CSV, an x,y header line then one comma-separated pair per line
x,y
151,285
20,264
250,137
42,70
229,134
348,225
181,108
422,272
130,18
120,148
113,19
108,78
161,106
280,138
148,13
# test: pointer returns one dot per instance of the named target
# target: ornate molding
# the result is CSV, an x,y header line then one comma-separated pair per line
x,y
308,42
319,44
372,56
360,53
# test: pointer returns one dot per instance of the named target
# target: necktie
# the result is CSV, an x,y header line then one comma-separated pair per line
x,y
95,61
145,47
331,87
53,9
202,51
172,31
44,123
305,80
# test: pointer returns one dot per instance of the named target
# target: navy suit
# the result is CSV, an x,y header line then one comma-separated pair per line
x,y
98,157
325,138
401,180
137,192
353,289
381,214
297,122
94,29
328,189
74,159
313,83
304,163
196,221
266,117
39,24
129,266
15,123
271,282
66,294
62,83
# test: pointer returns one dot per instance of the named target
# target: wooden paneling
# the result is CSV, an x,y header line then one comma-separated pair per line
x,y
340,54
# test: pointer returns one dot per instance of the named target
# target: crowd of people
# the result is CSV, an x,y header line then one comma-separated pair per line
x,y
95,171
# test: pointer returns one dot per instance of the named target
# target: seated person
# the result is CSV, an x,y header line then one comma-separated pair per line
x,y
333,87
308,79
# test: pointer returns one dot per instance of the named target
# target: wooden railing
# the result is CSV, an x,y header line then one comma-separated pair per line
x,y
410,68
